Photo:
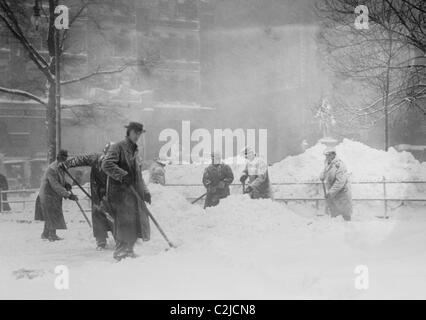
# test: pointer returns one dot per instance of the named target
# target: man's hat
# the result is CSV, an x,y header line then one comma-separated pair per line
x,y
329,150
247,150
161,161
138,127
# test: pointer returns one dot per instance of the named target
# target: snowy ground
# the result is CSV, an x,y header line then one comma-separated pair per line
x,y
241,249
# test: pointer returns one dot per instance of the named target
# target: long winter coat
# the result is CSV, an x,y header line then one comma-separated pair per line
x,y
257,172
213,175
49,202
98,180
337,184
4,186
130,215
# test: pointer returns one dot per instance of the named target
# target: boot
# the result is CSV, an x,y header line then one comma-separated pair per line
x,y
101,244
45,233
120,252
53,236
130,252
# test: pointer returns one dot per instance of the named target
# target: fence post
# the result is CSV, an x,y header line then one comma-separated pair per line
x,y
385,198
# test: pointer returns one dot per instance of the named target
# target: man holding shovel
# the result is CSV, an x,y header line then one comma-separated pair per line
x,y
101,219
121,166
53,189
216,178
337,185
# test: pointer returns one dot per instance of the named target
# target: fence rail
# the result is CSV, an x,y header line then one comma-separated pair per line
x,y
383,182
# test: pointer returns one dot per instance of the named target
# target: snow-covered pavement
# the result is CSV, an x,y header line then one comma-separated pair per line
x,y
243,248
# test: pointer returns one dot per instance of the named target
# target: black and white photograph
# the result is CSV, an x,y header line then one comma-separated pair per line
x,y
212,150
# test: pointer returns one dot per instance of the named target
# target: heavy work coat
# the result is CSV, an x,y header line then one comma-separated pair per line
x,y
130,215
337,184
49,200
257,172
4,186
213,175
98,180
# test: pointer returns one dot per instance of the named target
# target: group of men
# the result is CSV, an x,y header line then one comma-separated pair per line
x,y
335,178
119,193
218,177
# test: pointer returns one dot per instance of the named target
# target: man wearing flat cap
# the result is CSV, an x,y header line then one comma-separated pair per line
x,y
122,167
336,179
49,201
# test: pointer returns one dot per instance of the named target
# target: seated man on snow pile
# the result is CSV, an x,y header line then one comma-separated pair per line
x,y
336,178
157,172
216,178
256,171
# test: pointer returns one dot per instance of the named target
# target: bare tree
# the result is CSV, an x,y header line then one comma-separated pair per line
x,y
16,16
385,61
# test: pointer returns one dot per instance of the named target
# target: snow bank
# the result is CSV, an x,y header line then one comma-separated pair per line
x,y
362,161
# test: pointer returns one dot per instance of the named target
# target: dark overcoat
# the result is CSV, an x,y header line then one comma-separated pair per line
x,y
213,175
130,215
4,186
49,200
98,179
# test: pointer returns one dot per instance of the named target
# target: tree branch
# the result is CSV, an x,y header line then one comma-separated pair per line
x,y
98,72
23,94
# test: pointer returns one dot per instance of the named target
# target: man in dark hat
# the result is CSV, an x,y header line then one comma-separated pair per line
x,y
102,222
49,201
121,164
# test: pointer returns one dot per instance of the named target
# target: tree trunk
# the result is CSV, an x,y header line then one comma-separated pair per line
x,y
51,125
386,94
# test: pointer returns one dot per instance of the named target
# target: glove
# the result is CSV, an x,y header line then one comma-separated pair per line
x,y
68,187
221,185
147,197
127,180
73,197
62,166
249,189
243,179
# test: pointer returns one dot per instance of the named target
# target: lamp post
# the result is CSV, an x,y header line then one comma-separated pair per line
x,y
35,18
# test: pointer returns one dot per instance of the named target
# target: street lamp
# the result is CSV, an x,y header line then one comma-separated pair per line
x,y
35,18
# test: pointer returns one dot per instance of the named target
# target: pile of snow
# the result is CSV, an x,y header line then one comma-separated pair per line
x,y
236,216
363,162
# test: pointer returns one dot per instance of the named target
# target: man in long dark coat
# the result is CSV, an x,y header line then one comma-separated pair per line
x,y
49,201
98,179
4,186
216,178
123,170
